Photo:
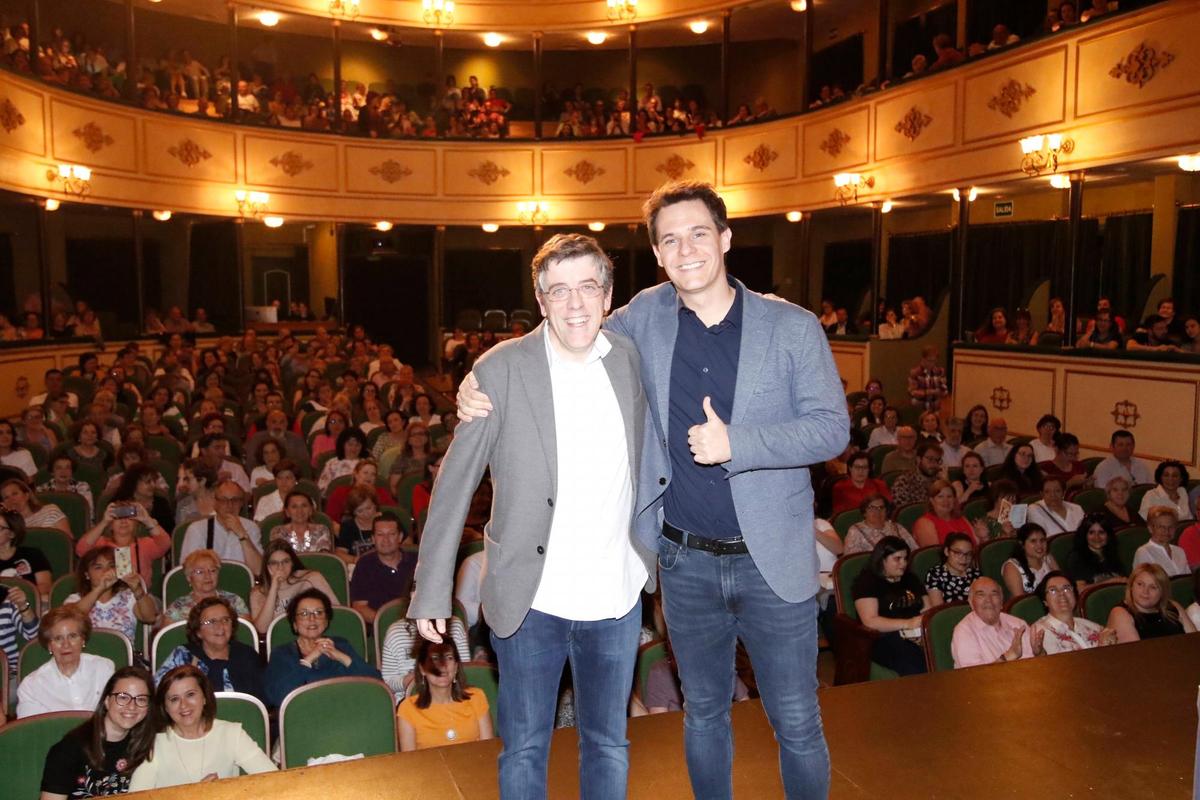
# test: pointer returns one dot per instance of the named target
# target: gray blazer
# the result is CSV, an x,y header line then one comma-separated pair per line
x,y
517,441
789,411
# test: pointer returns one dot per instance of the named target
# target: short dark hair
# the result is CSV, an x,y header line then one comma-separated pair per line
x,y
345,436
286,465
308,594
1120,434
1163,466
193,620
1049,418
180,673
207,440
1040,590
563,246
680,192
925,446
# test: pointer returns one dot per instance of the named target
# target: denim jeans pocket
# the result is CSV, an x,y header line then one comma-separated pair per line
x,y
669,553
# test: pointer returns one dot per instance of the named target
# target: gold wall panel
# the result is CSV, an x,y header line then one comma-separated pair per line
x,y
22,120
95,137
834,144
916,121
1025,94
852,364
760,157
1020,393
1135,65
391,170
485,172
193,152
584,172
1159,411
654,164
290,163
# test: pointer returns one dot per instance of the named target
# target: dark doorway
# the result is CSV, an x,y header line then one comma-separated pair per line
x,y
915,35
839,64
214,275
104,271
387,288
482,280
847,274
1023,17
752,266
8,291
280,277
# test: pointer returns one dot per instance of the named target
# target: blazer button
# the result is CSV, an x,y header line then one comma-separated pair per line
x,y
541,550
550,502
662,481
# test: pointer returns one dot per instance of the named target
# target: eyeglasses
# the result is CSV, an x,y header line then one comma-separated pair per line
x,y
125,698
315,613
215,621
559,294
1054,591
64,638
961,553
202,571
877,507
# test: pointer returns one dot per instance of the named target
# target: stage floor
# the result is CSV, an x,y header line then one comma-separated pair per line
x,y
1118,723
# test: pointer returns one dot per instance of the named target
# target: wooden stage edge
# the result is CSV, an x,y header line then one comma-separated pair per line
x,y
1114,723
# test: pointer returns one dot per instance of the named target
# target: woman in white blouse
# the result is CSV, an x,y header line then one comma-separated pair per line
x,y
71,680
1060,631
1172,480
1161,521
1030,562
1052,512
13,456
193,745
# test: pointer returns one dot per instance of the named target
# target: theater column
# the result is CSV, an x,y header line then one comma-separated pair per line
x,y
239,229
876,263
1075,232
131,54
139,264
43,235
538,110
35,14
437,294
633,93
234,72
958,265
725,41
338,124
339,248
804,264
809,33
885,33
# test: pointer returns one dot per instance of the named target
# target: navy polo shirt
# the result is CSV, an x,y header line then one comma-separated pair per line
x,y
699,498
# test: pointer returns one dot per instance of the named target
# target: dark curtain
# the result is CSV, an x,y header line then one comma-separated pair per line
x,y
1006,262
918,264
1123,266
482,279
1023,17
915,35
103,271
847,274
839,64
1186,289
8,291
213,275
752,266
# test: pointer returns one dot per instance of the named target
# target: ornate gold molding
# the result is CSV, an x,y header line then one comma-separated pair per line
x,y
835,141
10,116
292,163
1011,96
93,137
390,171
913,123
188,152
761,157
585,171
1142,64
674,167
488,172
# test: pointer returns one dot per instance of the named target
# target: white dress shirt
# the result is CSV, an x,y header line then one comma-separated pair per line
x,y
1043,452
1158,497
992,453
1051,521
46,689
881,435
224,542
591,570
1137,472
1173,562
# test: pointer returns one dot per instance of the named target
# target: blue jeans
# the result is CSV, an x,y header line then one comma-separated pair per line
x,y
710,602
602,655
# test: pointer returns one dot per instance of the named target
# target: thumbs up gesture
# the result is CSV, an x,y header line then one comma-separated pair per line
x,y
709,442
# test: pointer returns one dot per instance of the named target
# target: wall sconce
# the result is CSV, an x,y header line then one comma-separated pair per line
x,y
251,204
76,180
343,9
848,184
533,213
972,194
1040,152
622,10
438,12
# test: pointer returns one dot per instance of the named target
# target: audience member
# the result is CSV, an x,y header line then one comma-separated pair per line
x,y
1094,557
858,484
1117,511
875,525
18,623
973,484
1030,561
950,581
116,602
1162,522
1053,512
1171,479
1043,445
943,517
947,54
1002,37
994,450
71,680
929,427
282,578
1102,333
366,473
397,657
912,486
443,710
17,496
212,645
1122,462
997,522
1153,336
995,330
976,429
201,568
385,573
890,599
904,457
1065,464
953,448
231,536
987,635
19,561
1148,611
298,529
13,455
1060,631
887,432
192,745
927,381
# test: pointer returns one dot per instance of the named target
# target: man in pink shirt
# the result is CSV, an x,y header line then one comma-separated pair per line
x,y
987,636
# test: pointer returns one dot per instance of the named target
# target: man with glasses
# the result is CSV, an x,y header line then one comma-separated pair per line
x,y
904,457
913,485
564,573
232,536
383,574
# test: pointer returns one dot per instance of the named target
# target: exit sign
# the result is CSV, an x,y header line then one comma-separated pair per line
x,y
1002,208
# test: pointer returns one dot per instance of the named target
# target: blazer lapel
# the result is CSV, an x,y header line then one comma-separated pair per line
x,y
666,328
535,374
756,340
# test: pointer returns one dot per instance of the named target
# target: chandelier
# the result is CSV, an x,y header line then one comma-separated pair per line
x,y
437,12
1040,152
75,180
534,213
622,10
251,204
847,185
344,9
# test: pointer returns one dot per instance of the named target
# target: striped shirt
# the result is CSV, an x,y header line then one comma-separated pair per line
x,y
14,631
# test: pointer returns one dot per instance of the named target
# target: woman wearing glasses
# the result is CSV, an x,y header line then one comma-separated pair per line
x,y
202,568
442,710
863,536
313,656
950,581
1060,631
110,600
230,665
71,680
97,758
192,745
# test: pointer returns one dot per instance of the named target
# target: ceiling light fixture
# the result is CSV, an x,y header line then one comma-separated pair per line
x,y
51,204
699,26
886,208
378,35
799,5
1189,163
596,227
437,12
493,39
383,226
622,10
268,18
490,227
596,37
273,222
794,216
161,216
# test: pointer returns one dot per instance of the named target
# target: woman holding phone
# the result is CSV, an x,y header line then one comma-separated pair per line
x,y
118,528
111,597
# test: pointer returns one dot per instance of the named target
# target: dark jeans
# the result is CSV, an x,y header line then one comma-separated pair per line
x,y
893,651
710,602
602,655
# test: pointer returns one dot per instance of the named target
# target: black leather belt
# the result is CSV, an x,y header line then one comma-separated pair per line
x,y
718,547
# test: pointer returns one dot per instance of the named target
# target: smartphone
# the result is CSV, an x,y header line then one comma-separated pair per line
x,y
125,511
123,560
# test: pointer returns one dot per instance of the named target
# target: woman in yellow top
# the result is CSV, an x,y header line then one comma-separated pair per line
x,y
441,711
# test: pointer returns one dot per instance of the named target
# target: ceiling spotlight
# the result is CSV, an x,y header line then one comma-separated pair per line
x,y
799,5
268,18
596,37
595,227
383,226
161,216
493,39
378,35
699,26
1189,163
886,208
51,204
490,227
1060,181
794,216
273,222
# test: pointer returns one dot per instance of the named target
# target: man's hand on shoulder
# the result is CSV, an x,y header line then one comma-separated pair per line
x,y
432,629
471,402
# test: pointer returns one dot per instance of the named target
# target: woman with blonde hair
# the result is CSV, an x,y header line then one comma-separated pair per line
x,y
1148,612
